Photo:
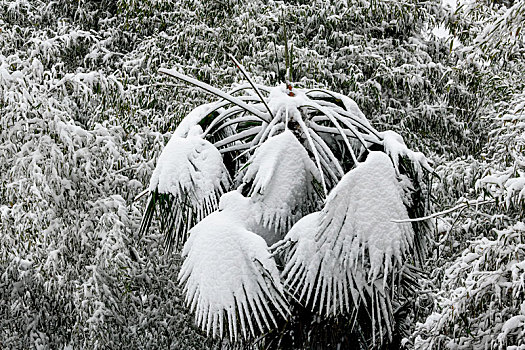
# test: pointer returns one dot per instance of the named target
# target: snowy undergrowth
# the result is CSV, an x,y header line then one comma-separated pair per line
x,y
482,303
73,272
478,255
80,94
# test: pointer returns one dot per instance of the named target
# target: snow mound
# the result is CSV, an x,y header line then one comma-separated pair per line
x,y
281,175
352,243
228,274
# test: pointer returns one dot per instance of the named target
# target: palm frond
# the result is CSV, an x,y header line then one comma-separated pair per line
x,y
255,88
230,280
346,255
396,148
216,92
279,178
287,149
185,186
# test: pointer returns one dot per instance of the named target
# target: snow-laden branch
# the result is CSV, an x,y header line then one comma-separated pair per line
x,y
243,71
457,207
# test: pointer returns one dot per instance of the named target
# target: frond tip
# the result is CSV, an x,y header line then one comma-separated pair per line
x,y
230,280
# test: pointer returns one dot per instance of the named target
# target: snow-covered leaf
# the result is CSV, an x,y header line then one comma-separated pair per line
x,y
186,183
344,256
281,177
230,280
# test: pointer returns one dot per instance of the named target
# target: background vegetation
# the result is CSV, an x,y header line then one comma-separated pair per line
x,y
84,115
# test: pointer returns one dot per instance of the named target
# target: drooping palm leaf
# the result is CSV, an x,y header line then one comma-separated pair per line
x,y
344,256
230,280
186,185
280,176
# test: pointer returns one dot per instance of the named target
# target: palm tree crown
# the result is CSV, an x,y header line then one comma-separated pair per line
x,y
285,198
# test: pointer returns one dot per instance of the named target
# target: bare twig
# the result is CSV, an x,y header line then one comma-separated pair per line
x,y
287,57
457,207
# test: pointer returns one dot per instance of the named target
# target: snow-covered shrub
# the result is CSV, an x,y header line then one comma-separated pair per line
x,y
80,96
477,252
73,271
505,180
311,185
482,305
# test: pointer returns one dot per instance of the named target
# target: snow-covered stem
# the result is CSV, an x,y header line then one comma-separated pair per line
x,y
241,68
214,91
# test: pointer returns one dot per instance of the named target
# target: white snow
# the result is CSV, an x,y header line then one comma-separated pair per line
x,y
510,326
228,273
452,4
395,147
282,175
191,166
441,32
192,119
353,239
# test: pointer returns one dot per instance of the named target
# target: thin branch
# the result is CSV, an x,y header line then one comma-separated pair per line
x,y
276,59
239,147
331,130
288,62
232,111
351,116
266,130
238,136
328,151
334,121
237,120
457,207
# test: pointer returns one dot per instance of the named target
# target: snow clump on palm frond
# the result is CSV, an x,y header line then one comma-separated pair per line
x,y
228,273
281,174
341,257
187,183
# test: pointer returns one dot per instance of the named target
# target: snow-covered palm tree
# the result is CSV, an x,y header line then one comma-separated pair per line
x,y
285,199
